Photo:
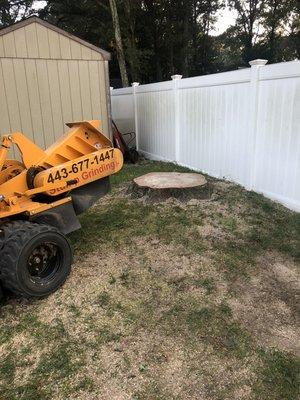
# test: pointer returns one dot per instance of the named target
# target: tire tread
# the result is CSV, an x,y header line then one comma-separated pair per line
x,y
17,234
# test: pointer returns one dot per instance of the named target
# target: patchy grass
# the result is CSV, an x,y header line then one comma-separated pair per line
x,y
280,376
167,300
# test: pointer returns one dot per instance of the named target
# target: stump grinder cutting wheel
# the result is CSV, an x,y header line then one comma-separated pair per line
x,y
40,198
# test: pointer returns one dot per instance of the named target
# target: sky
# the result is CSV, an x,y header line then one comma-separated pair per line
x,y
37,5
225,18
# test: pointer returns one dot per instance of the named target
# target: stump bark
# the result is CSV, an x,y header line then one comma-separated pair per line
x,y
163,185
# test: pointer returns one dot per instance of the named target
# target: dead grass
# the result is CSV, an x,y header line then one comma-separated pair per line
x,y
166,300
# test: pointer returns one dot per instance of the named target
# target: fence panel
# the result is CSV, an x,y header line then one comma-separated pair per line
x,y
277,159
160,120
123,109
215,120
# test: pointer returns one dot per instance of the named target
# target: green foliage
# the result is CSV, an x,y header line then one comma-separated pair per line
x,y
12,10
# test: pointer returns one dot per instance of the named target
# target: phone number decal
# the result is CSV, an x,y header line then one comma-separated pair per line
x,y
80,166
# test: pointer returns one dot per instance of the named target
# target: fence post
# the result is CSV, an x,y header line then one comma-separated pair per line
x,y
254,83
136,122
176,79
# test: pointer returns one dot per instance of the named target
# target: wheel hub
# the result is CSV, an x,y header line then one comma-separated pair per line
x,y
43,261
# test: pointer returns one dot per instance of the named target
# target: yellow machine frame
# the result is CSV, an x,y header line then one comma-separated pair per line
x,y
79,157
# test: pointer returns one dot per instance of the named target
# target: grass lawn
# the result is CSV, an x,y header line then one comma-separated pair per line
x,y
167,300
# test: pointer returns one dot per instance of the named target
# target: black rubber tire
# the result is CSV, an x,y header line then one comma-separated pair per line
x,y
21,239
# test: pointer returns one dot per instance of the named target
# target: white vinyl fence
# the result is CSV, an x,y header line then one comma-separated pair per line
x,y
243,125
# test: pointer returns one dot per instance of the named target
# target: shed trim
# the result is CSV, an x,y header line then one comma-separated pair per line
x,y
105,54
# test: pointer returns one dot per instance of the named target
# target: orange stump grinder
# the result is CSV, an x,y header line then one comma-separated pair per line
x,y
40,198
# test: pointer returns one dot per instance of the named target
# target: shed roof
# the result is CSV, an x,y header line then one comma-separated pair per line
x,y
35,20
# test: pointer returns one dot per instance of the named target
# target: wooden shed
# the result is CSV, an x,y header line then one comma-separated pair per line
x,y
49,77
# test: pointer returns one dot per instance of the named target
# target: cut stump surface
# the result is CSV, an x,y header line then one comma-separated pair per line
x,y
171,184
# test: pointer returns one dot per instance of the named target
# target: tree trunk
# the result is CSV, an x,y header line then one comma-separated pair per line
x,y
185,47
275,21
119,44
158,70
133,57
272,45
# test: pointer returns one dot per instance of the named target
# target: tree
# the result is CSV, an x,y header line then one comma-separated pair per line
x,y
288,34
119,44
205,45
132,11
248,22
162,37
12,10
276,17
228,50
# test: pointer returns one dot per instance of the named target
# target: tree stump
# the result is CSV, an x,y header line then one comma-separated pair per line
x,y
163,185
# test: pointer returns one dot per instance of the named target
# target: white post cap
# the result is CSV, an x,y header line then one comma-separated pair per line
x,y
134,84
176,77
259,61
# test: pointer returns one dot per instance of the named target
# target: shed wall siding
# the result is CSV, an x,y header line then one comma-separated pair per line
x,y
47,80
